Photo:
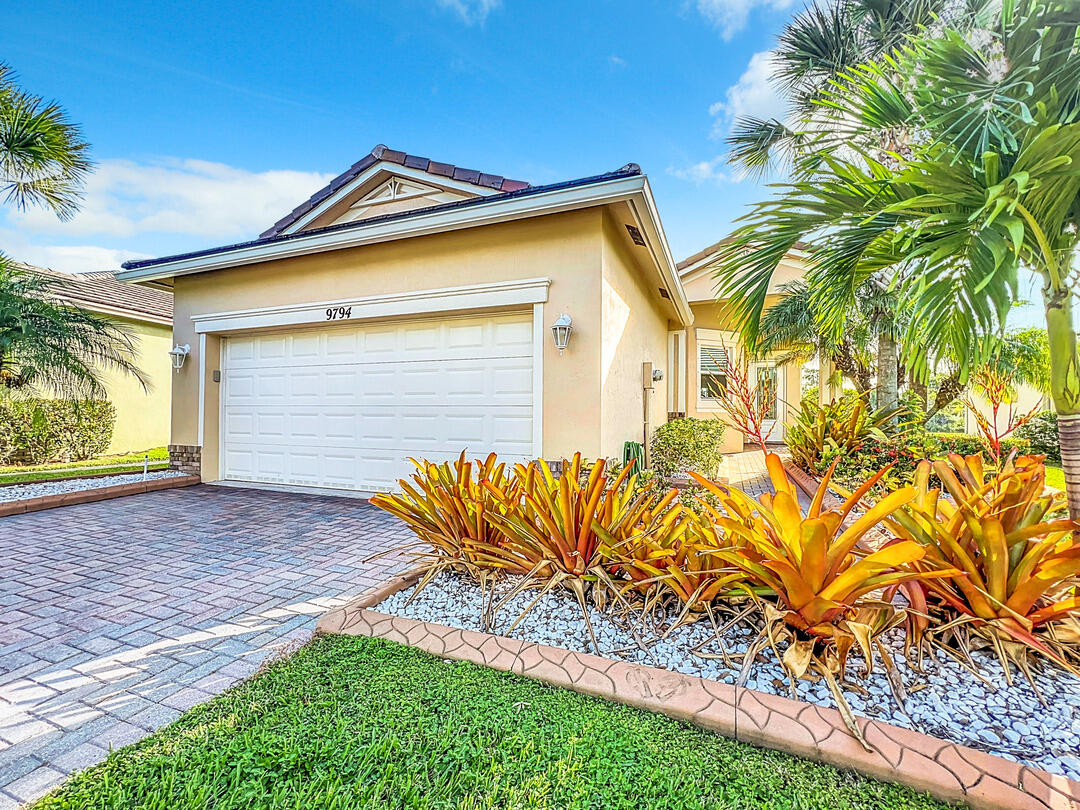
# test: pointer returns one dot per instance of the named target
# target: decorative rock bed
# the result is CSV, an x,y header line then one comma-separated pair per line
x,y
957,737
18,498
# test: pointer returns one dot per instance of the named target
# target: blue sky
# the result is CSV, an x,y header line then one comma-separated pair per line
x,y
210,120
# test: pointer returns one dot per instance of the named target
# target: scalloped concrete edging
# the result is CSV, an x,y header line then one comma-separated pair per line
x,y
943,769
96,494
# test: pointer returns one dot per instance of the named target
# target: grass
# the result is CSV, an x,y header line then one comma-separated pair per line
x,y
25,473
362,723
1055,477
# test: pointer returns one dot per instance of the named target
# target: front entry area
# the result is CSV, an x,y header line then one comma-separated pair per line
x,y
345,406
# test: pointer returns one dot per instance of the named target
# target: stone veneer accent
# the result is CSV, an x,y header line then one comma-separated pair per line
x,y
186,458
944,769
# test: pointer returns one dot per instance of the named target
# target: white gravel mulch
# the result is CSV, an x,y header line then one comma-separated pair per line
x,y
21,492
945,700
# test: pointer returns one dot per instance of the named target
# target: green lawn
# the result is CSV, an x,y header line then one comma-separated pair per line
x,y
359,723
1055,477
40,472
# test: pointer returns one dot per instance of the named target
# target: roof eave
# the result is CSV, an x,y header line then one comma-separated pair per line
x,y
420,223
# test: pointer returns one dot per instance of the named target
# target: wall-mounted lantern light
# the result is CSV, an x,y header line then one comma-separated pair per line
x,y
560,330
179,355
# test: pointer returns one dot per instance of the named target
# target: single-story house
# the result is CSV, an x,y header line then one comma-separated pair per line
x,y
142,416
407,310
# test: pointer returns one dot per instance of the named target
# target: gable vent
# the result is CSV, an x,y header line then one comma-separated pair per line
x,y
635,236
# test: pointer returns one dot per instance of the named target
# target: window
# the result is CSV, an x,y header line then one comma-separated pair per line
x,y
712,371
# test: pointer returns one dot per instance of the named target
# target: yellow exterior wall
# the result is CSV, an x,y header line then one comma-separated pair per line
x,y
142,417
634,332
568,248
711,315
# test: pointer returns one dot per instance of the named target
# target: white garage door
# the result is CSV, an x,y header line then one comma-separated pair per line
x,y
345,407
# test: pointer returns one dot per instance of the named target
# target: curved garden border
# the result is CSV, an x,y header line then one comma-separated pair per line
x,y
95,494
945,770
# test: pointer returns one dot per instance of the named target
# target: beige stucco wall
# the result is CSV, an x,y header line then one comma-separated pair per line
x,y
711,315
634,332
142,417
567,248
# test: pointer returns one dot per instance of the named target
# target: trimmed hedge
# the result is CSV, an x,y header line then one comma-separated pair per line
x,y
968,445
687,444
38,431
1042,432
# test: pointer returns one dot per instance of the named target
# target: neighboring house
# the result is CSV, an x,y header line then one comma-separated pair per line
x,y
702,352
407,308
142,417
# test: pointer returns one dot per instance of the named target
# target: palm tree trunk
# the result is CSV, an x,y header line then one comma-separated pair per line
x,y
1065,387
887,389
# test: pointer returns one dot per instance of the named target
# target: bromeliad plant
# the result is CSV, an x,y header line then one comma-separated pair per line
x,y
812,564
1017,565
839,429
448,508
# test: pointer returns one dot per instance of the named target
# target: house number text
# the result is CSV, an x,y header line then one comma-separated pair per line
x,y
337,313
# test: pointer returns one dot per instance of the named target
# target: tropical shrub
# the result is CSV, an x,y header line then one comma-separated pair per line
x,y
965,444
1041,433
37,431
838,428
1015,568
686,444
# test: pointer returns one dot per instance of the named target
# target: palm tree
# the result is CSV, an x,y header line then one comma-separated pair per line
x,y
990,183
47,345
790,328
43,157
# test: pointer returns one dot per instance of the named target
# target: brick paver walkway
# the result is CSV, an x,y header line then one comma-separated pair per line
x,y
117,616
748,472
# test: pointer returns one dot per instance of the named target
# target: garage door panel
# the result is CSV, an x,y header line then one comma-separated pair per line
x,y
346,406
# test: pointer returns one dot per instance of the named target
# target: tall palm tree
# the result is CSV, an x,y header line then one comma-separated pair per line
x,y
791,329
46,345
814,53
43,157
991,183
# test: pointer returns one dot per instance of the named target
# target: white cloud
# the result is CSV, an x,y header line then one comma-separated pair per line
x,y
705,171
731,16
183,196
78,258
472,12
752,95
617,61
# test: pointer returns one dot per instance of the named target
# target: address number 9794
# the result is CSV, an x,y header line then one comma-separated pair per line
x,y
337,313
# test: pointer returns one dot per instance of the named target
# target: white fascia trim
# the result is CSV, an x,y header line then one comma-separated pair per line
x,y
649,219
522,292
391,168
550,202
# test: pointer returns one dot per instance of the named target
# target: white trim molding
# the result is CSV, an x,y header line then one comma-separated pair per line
x,y
539,333
202,387
523,292
415,224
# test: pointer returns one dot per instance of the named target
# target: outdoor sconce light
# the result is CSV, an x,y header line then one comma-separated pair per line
x,y
179,355
560,330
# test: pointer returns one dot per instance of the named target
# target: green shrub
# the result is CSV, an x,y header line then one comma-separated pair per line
x,y
687,444
37,431
838,428
967,445
1042,433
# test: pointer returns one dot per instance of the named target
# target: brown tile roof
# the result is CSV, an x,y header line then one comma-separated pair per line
x,y
102,292
715,246
383,153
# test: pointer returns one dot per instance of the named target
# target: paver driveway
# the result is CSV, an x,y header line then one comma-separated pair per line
x,y
116,616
